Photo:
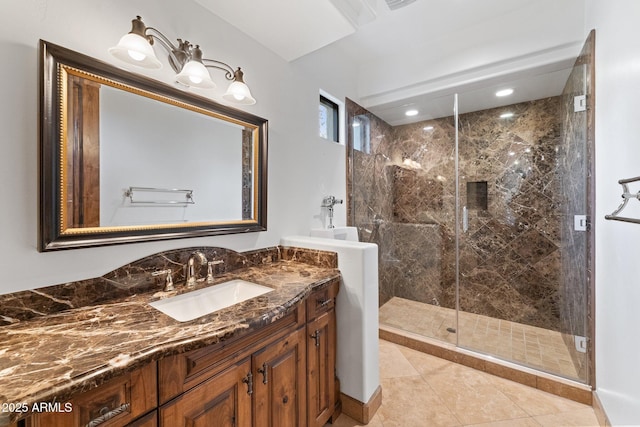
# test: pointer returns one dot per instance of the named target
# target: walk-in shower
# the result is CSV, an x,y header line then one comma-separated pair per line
x,y
480,220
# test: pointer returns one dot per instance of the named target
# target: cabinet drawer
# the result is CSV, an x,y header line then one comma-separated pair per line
x,y
149,420
179,373
322,300
115,403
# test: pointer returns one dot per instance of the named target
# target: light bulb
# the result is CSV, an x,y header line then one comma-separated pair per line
x,y
195,74
135,49
136,56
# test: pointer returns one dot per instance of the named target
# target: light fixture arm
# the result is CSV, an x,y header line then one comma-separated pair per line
x,y
229,73
178,55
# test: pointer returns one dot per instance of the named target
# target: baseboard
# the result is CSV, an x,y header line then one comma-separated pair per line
x,y
603,420
361,412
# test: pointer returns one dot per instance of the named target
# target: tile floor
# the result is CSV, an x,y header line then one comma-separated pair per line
x,y
420,390
528,345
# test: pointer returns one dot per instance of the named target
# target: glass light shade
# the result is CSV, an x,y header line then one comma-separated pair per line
x,y
135,49
239,93
195,74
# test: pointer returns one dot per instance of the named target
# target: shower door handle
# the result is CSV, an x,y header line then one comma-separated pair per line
x,y
465,219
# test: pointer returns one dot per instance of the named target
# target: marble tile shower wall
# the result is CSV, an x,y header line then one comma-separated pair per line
x,y
511,254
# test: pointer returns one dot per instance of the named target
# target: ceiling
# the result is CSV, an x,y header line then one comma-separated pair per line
x,y
418,56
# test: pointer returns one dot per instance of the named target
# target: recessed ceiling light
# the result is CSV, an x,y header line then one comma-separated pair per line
x,y
427,128
411,113
506,115
504,92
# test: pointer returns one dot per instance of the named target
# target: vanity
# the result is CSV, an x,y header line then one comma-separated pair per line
x,y
96,353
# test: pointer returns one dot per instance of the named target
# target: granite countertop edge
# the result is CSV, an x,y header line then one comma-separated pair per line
x,y
119,332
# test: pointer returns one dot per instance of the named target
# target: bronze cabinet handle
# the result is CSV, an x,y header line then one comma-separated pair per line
x,y
265,373
324,303
316,336
248,380
106,414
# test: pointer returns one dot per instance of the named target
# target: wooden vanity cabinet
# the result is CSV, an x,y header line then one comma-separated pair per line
x,y
321,355
280,383
256,380
118,402
281,375
149,420
222,400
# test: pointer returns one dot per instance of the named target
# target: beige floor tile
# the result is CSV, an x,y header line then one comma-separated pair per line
x,y
533,401
472,397
423,363
540,348
519,422
392,362
442,393
410,402
579,418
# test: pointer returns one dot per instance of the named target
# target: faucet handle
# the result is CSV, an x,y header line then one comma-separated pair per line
x,y
210,265
168,282
330,202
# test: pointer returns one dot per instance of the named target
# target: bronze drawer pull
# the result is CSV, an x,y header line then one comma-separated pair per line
x,y
324,303
106,414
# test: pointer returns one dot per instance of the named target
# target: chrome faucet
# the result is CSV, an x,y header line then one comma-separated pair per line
x,y
191,267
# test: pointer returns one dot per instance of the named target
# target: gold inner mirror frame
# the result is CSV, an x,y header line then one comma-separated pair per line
x,y
61,227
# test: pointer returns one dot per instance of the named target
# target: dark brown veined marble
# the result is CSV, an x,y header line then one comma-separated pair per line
x,y
403,198
78,335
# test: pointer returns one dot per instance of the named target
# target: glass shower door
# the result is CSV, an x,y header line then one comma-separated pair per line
x,y
403,196
522,179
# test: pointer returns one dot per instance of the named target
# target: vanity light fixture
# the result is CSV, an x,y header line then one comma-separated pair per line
x,y
411,113
136,48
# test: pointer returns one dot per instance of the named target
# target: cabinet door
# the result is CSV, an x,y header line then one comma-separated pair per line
x,y
279,382
149,420
321,363
221,401
113,404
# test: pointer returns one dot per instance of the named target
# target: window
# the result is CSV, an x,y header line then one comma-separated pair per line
x,y
329,122
361,133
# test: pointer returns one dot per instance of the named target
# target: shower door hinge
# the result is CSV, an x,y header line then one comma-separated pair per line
x,y
581,223
579,103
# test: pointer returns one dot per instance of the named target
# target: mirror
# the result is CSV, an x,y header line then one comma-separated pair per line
x,y
124,158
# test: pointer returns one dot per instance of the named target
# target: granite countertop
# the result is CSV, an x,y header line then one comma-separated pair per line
x,y
50,357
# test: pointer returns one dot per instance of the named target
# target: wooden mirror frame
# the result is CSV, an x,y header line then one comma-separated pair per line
x,y
52,232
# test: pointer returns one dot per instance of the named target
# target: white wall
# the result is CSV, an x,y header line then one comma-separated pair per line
x,y
617,243
459,45
146,143
302,168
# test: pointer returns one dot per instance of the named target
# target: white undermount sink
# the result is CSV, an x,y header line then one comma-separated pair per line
x,y
191,305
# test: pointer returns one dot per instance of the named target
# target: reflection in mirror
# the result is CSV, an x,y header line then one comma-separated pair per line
x,y
161,146
124,158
